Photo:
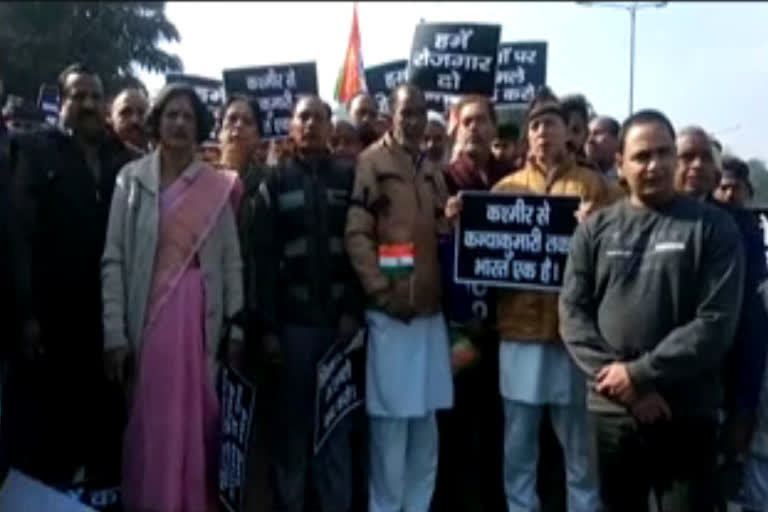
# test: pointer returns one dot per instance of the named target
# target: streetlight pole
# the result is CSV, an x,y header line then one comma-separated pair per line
x,y
632,8
632,18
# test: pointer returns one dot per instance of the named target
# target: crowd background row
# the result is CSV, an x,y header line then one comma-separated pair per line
x,y
102,269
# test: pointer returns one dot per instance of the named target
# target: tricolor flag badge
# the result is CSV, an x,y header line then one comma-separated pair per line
x,y
396,260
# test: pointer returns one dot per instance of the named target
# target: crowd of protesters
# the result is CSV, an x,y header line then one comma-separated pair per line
x,y
139,254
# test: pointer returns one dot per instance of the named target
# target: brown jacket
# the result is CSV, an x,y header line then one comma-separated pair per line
x,y
531,316
394,202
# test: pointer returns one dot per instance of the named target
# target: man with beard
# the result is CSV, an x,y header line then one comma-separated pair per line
x,y
435,138
305,297
126,118
60,414
471,433
364,113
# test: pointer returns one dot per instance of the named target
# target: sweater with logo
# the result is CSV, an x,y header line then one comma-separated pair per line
x,y
660,290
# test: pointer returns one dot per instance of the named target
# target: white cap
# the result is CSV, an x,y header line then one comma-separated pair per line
x,y
341,114
436,117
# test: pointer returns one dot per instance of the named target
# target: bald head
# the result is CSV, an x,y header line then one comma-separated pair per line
x,y
126,116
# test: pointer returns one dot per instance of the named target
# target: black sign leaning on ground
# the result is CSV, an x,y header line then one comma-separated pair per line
x,y
383,78
276,88
339,386
521,72
455,58
210,90
237,401
515,241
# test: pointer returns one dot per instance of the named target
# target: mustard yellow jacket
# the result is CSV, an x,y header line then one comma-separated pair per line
x,y
531,316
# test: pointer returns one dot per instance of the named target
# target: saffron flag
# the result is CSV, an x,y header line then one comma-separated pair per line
x,y
351,79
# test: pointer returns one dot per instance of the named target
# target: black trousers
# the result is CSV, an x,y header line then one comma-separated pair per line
x,y
471,443
674,459
60,415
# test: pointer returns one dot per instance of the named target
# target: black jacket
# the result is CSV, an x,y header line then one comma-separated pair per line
x,y
9,321
297,269
746,360
61,211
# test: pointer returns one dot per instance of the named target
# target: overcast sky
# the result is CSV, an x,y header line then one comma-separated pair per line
x,y
702,63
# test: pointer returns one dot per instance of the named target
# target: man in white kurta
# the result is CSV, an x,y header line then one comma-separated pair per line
x,y
393,222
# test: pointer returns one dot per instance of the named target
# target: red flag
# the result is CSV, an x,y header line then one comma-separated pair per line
x,y
351,79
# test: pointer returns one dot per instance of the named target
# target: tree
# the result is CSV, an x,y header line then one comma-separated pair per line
x,y
758,175
39,39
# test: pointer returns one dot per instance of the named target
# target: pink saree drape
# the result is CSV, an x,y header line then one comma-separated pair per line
x,y
170,450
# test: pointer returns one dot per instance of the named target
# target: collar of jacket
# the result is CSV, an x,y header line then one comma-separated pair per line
x,y
561,168
109,143
319,160
148,172
418,160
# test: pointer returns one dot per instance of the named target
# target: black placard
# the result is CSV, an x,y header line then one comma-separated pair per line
x,y
276,89
455,58
339,386
521,72
383,78
237,401
210,90
514,240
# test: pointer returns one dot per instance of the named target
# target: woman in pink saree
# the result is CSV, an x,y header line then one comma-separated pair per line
x,y
172,281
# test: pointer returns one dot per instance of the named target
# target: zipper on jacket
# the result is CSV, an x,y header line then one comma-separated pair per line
x,y
416,165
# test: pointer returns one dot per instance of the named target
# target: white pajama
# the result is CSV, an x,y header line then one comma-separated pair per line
x,y
535,376
408,378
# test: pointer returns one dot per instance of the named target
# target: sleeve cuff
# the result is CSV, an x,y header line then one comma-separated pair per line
x,y
641,374
114,340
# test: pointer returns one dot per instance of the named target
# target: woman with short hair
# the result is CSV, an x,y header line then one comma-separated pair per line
x,y
172,284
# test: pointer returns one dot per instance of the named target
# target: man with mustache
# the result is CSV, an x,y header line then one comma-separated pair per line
x,y
364,113
392,230
126,118
602,145
305,297
435,138
697,176
471,433
60,415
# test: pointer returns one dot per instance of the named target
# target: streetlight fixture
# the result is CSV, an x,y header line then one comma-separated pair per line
x,y
632,8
